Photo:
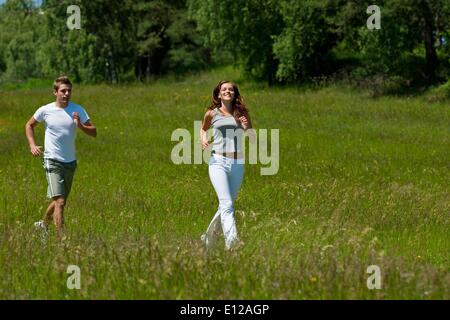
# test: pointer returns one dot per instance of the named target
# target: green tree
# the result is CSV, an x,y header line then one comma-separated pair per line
x,y
409,39
19,32
186,52
73,52
166,40
153,20
303,47
100,50
243,27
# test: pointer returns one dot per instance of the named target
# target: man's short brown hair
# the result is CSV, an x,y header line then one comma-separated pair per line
x,y
61,80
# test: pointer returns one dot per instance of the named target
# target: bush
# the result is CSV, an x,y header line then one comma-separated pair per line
x,y
440,93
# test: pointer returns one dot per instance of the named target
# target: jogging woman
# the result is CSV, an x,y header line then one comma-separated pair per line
x,y
229,118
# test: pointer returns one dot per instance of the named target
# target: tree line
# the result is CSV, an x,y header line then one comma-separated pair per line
x,y
117,41
280,41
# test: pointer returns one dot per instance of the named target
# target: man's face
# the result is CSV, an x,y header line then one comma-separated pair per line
x,y
63,94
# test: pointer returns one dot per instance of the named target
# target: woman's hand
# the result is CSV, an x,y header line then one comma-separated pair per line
x,y
244,122
248,128
205,143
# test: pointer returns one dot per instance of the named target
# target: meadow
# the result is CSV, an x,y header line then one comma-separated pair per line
x,y
361,182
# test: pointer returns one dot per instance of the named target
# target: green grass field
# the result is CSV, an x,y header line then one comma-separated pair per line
x,y
361,182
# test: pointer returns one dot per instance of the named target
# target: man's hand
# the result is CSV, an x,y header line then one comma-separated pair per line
x,y
36,150
86,127
76,119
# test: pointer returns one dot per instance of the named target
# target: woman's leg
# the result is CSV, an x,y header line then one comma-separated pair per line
x,y
235,177
219,179
213,230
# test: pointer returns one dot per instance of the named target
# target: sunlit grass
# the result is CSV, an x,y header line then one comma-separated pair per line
x,y
361,182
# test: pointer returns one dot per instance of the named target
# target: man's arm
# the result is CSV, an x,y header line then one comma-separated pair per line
x,y
29,132
88,127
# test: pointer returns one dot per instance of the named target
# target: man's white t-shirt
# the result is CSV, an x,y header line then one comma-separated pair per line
x,y
60,130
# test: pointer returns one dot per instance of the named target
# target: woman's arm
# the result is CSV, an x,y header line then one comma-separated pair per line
x,y
205,126
246,123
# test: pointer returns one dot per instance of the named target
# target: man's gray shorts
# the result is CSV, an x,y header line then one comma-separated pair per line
x,y
59,177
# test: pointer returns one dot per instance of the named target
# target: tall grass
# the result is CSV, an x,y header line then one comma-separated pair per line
x,y
361,182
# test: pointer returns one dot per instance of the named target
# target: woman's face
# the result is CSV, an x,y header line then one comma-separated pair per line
x,y
226,92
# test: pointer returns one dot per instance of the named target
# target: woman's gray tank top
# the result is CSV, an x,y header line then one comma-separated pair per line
x,y
227,133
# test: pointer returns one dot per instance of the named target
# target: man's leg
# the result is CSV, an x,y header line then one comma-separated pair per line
x,y
48,216
58,214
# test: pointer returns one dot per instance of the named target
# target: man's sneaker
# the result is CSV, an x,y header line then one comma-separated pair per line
x,y
39,225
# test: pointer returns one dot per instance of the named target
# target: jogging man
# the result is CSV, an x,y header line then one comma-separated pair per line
x,y
61,119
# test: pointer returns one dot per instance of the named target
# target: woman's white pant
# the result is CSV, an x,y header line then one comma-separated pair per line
x,y
226,175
